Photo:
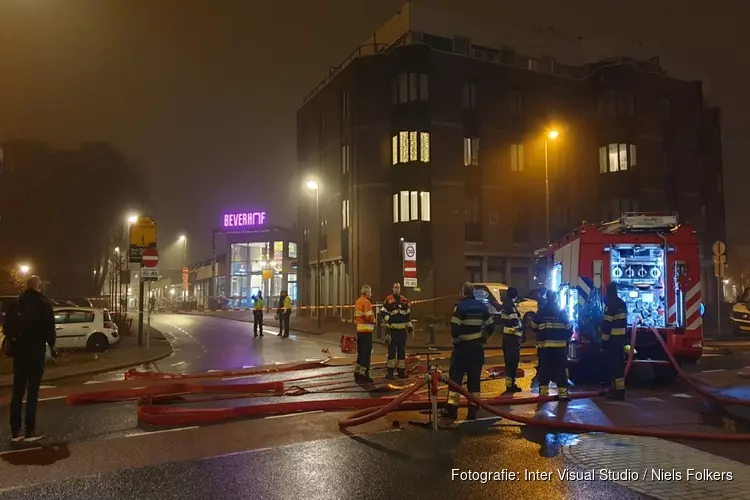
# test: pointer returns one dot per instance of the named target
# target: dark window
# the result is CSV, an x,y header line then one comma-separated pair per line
x,y
516,102
471,217
521,232
344,104
469,96
620,103
411,87
665,106
438,42
324,235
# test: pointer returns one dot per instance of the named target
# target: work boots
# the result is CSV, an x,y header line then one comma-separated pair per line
x,y
472,412
510,385
389,375
450,411
402,373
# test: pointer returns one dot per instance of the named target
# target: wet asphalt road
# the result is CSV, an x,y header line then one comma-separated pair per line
x,y
411,464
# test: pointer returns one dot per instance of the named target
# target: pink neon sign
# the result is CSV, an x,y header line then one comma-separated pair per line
x,y
244,219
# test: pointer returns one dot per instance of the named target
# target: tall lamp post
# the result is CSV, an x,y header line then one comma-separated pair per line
x,y
313,186
183,239
551,135
129,221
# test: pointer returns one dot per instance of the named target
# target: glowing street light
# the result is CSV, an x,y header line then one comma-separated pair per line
x,y
132,219
552,134
24,269
171,292
313,186
117,249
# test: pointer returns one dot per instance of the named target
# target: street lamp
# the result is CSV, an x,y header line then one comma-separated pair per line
x,y
24,269
183,239
552,134
313,186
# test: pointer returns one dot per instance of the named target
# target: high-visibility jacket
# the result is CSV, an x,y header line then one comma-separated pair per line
x,y
553,327
287,304
615,319
363,315
397,313
258,306
471,322
510,318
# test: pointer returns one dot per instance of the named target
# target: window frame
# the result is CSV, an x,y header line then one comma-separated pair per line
x,y
517,160
471,151
411,206
410,146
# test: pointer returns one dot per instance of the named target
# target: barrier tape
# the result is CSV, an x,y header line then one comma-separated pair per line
x,y
248,307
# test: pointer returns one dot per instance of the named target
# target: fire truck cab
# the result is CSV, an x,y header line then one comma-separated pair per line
x,y
655,262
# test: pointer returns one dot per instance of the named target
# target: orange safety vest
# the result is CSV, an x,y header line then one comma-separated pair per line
x,y
363,315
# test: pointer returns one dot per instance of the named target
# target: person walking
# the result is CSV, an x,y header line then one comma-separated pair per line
x,y
284,312
30,324
258,306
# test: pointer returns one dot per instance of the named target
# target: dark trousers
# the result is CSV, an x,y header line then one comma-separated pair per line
x,y
257,321
614,352
512,356
552,364
467,359
284,320
28,369
364,353
397,350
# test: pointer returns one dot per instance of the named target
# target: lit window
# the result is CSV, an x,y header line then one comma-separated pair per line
x,y
345,158
395,207
404,206
425,199
410,146
403,138
293,248
616,158
471,151
414,205
424,153
516,158
470,95
345,214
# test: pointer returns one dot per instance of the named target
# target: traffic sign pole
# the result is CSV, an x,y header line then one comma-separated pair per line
x,y
719,262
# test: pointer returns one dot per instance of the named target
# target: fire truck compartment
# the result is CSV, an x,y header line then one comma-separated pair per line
x,y
638,271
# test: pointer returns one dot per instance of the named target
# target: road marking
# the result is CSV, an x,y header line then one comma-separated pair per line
x,y
237,378
713,371
178,364
682,396
294,414
248,366
94,382
52,398
19,451
42,387
653,400
162,431
214,371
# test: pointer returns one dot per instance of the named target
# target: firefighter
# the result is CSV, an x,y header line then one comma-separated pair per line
x,y
397,319
512,332
471,327
553,331
365,320
258,314
614,341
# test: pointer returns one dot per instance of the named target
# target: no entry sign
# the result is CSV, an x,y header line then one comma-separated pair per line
x,y
150,257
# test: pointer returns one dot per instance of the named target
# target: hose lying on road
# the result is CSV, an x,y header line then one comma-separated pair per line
x,y
176,389
134,374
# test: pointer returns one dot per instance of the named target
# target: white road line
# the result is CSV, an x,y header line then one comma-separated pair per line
x,y
653,400
42,387
248,366
20,451
178,364
163,431
94,382
294,414
214,371
682,396
52,398
713,371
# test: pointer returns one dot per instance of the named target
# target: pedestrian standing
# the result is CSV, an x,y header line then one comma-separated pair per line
x,y
471,327
365,320
397,318
258,314
553,329
284,312
512,332
614,341
30,324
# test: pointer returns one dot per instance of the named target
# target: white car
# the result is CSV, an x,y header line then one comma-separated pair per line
x,y
85,328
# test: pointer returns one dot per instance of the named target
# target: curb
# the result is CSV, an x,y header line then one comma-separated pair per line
x,y
101,369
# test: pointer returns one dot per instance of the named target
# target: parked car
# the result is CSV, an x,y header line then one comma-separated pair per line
x,y
493,293
740,315
85,328
63,303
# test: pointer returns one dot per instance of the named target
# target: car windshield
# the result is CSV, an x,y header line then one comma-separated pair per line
x,y
107,317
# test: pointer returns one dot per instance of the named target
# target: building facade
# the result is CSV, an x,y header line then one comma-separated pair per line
x,y
444,142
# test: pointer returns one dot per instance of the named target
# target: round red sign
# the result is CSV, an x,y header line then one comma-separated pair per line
x,y
150,257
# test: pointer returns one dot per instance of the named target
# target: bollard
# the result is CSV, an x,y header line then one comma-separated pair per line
x,y
431,331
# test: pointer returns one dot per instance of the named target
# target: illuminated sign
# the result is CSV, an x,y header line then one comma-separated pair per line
x,y
244,219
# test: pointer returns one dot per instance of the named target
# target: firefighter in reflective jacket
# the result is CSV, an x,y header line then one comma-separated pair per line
x,y
397,319
614,340
512,332
258,314
365,320
553,331
471,326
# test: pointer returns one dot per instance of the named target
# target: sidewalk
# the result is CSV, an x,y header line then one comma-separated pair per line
x,y
76,363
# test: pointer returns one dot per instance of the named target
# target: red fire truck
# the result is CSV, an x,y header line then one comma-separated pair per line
x,y
655,262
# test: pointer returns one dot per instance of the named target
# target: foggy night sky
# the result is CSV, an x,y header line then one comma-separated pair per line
x,y
202,95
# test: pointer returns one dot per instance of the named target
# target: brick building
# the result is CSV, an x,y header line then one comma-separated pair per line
x,y
440,140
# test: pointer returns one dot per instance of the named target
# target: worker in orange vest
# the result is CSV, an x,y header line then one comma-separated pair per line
x,y
365,320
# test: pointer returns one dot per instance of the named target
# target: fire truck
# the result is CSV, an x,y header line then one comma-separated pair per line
x,y
655,262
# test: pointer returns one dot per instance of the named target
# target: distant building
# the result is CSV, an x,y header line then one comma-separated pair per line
x,y
429,137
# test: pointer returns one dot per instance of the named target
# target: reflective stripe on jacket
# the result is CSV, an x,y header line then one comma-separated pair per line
x,y
471,321
287,304
510,318
258,305
615,319
397,314
363,315
553,327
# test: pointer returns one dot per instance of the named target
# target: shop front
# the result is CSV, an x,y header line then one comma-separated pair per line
x,y
256,258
